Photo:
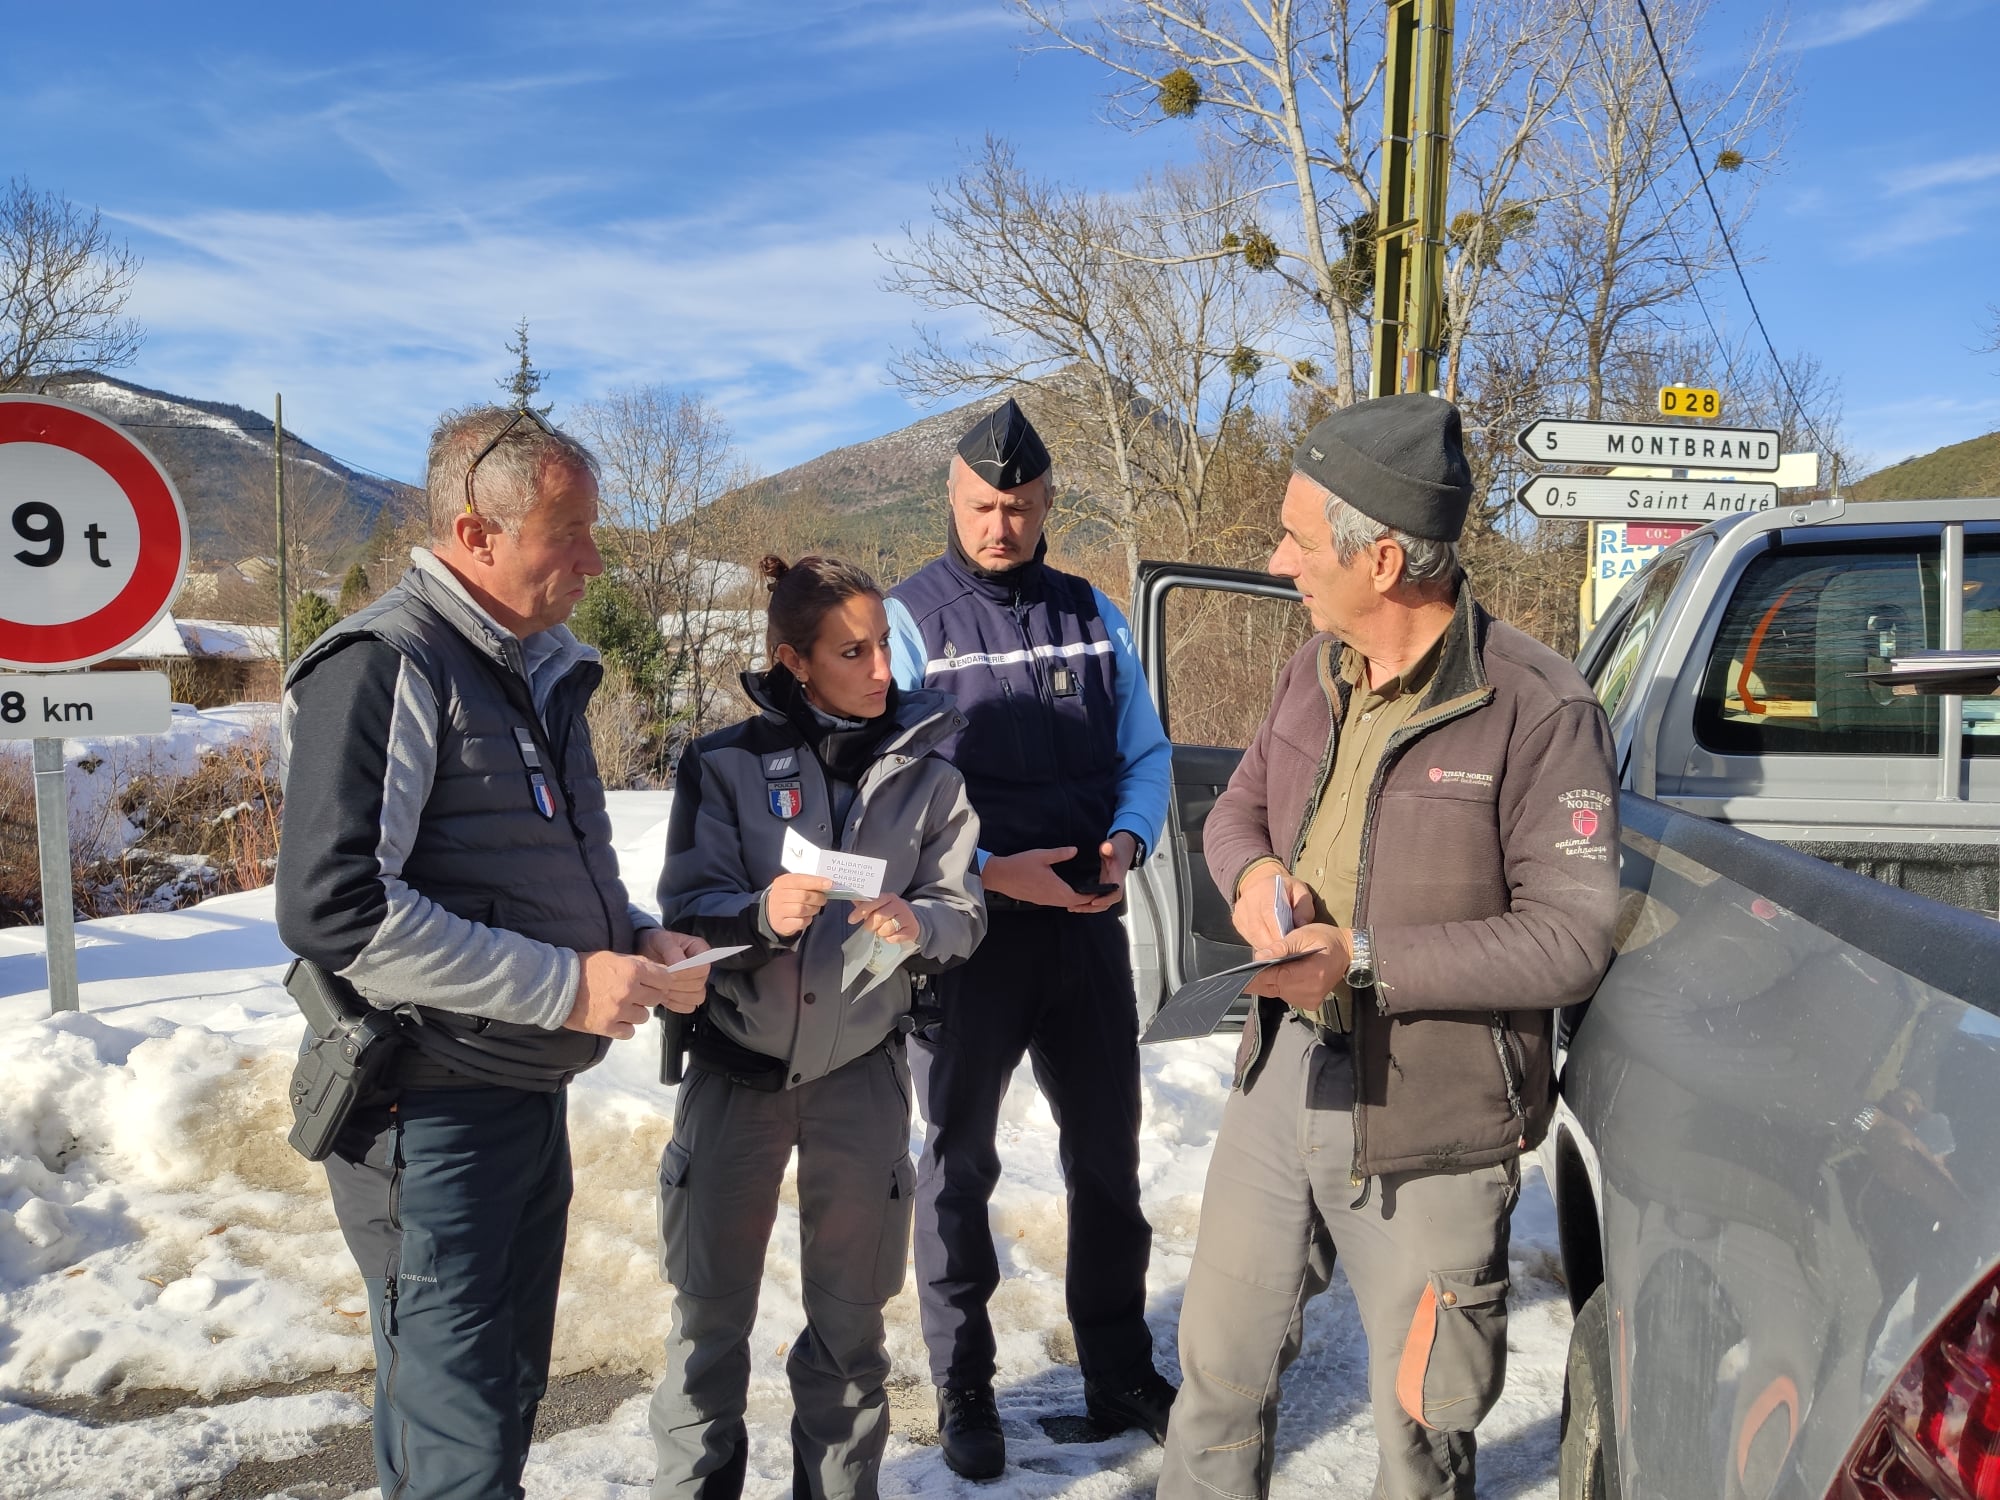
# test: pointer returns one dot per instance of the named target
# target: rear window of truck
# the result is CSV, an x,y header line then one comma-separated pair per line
x,y
1783,676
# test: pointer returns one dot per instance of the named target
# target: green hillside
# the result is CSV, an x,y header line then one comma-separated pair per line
x,y
1964,471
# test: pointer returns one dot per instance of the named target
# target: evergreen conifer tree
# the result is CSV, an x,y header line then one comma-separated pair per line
x,y
354,590
525,382
312,617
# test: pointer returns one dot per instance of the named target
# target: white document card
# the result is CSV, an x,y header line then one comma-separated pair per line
x,y
855,877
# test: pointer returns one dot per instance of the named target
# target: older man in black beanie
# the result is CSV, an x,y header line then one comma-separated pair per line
x,y
1433,798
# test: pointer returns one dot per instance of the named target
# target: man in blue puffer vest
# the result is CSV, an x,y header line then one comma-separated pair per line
x,y
1069,770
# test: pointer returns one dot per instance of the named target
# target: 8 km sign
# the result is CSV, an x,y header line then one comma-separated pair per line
x,y
93,539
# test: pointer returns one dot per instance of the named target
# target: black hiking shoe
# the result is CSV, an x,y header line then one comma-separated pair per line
x,y
969,1431
1145,1402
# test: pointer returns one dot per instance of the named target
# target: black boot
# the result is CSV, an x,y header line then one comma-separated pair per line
x,y
1144,1401
969,1431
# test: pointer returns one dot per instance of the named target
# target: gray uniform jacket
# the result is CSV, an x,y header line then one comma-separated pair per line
x,y
735,794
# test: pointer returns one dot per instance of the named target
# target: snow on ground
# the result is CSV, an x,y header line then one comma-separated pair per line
x,y
98,769
155,1231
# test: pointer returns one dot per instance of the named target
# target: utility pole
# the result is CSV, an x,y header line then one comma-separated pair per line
x,y
284,584
1408,339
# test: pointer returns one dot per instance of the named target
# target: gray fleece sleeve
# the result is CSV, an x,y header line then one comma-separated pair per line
x,y
361,731
945,892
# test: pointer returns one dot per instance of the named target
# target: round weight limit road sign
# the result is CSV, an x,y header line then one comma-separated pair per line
x,y
93,537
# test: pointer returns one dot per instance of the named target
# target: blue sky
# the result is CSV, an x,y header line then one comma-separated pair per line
x,y
354,204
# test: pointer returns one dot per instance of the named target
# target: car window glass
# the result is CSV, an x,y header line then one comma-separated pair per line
x,y
1784,675
1980,717
1612,673
1224,653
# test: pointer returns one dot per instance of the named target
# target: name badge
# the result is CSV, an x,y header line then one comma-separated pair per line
x,y
1063,682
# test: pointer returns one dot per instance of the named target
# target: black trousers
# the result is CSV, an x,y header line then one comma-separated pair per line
x,y
1057,987
456,1208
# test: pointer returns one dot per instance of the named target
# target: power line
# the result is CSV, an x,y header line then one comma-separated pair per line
x,y
1722,228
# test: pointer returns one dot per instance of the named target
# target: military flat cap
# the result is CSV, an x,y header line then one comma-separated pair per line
x,y
1399,460
1004,449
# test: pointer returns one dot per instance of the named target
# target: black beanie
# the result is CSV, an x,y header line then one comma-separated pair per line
x,y
1399,460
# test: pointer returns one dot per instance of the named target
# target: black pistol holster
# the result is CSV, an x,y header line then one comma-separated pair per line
x,y
673,1044
348,1046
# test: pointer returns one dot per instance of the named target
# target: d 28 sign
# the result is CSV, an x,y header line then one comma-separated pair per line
x,y
93,538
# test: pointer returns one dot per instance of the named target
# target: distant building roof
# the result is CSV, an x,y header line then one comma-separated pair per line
x,y
163,640
211,638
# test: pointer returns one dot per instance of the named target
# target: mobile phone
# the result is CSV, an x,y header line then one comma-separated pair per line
x,y
1093,888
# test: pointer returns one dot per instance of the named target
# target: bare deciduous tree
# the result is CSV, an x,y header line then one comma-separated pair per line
x,y
1629,234
64,283
1290,85
667,456
1147,345
320,539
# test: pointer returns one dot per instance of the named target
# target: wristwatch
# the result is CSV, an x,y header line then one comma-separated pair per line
x,y
1361,967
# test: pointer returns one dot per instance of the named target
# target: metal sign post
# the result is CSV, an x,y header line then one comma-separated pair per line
x,y
97,547
58,914
42,707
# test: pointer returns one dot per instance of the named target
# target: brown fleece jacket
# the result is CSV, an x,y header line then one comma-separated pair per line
x,y
1489,883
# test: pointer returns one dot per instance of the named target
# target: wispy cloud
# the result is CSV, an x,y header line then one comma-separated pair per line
x,y
1897,233
1958,172
834,25
372,324
1850,23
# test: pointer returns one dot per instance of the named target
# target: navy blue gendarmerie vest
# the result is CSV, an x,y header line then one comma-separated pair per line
x,y
1028,658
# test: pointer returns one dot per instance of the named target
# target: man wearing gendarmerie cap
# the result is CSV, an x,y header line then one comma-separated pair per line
x,y
447,852
1433,795
1068,768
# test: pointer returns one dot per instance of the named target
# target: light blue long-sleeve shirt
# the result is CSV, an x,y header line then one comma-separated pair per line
x,y
1145,756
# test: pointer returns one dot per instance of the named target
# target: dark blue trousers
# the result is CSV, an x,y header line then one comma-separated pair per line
x,y
455,1204
1058,988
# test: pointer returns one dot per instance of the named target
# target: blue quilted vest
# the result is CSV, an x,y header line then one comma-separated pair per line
x,y
1027,657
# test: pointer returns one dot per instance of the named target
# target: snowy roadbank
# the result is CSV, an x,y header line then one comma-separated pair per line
x,y
155,1231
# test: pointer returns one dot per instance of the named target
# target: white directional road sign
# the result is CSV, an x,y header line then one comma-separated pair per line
x,y
1739,450
93,539
1590,498
71,705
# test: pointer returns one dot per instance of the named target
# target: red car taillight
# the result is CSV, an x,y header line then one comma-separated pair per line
x,y
1935,1434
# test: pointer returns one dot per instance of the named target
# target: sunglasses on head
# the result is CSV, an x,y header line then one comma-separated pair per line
x,y
521,414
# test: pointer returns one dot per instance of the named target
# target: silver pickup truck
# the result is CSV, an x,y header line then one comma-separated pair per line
x,y
1777,1159
1731,670
1777,1162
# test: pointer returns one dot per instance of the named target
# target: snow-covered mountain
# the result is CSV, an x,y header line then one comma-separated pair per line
x,y
220,459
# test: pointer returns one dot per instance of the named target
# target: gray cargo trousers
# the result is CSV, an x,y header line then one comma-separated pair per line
x,y
719,1181
1426,1254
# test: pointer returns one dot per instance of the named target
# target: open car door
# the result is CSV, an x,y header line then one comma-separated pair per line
x,y
1213,641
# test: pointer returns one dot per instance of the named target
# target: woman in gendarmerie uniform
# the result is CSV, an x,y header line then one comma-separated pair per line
x,y
800,1043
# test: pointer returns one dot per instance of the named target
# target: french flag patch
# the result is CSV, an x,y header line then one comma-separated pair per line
x,y
786,799
545,801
